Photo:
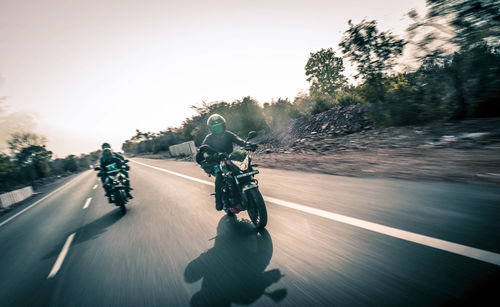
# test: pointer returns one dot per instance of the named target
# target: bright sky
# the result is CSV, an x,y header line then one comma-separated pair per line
x,y
95,70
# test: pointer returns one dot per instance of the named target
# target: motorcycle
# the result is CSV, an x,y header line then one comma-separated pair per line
x,y
117,184
240,190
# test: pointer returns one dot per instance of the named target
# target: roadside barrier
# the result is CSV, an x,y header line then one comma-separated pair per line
x,y
186,149
10,198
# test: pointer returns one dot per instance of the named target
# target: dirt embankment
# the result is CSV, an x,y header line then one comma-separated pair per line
x,y
341,141
461,151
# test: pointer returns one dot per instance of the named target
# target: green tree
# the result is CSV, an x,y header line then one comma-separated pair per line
x,y
374,54
464,36
246,115
473,21
324,72
20,140
36,157
277,112
70,163
7,169
84,161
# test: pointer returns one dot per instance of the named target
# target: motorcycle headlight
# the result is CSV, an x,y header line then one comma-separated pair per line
x,y
116,181
242,165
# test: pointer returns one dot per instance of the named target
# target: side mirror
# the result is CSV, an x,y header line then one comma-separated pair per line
x,y
251,135
125,161
97,168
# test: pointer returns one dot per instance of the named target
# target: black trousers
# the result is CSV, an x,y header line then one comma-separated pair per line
x,y
219,184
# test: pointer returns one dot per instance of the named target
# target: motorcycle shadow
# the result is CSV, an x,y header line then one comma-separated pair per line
x,y
233,271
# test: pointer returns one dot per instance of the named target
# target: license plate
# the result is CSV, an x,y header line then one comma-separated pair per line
x,y
247,174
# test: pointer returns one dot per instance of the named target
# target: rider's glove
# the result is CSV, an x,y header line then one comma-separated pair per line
x,y
251,146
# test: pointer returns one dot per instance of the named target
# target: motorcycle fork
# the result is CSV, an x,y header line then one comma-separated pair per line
x,y
242,195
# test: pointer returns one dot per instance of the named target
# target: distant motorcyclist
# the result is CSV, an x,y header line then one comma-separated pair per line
x,y
109,160
221,140
117,155
106,145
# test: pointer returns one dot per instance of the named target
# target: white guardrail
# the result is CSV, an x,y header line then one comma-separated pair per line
x,y
10,198
186,148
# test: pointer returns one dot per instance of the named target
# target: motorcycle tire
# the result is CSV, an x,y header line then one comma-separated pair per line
x,y
257,208
120,199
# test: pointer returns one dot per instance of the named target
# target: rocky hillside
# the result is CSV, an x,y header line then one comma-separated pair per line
x,y
332,123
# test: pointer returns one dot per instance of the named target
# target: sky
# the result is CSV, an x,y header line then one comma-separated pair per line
x,y
81,72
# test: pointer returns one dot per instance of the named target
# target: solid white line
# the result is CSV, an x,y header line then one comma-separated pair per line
x,y
37,202
87,203
62,255
94,187
451,247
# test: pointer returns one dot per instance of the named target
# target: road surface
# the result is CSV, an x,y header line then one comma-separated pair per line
x,y
330,241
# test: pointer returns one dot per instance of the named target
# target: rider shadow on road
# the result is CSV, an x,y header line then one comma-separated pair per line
x,y
89,231
233,271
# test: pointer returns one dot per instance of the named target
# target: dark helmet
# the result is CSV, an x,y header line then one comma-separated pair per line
x,y
107,154
105,145
216,124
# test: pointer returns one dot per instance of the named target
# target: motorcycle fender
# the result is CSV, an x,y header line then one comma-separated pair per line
x,y
249,186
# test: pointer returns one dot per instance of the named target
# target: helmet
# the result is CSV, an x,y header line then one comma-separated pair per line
x,y
105,145
106,153
216,124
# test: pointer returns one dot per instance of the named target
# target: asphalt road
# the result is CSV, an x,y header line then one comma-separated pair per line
x,y
330,241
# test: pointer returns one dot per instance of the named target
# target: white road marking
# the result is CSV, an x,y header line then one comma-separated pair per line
x,y
459,249
87,203
94,187
62,255
37,202
175,173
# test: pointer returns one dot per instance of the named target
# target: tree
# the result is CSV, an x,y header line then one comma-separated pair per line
x,y
473,21
84,161
464,36
20,140
277,112
246,115
6,170
373,53
30,154
70,163
324,72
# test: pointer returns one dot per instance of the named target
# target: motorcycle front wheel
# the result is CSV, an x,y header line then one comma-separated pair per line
x,y
257,208
120,198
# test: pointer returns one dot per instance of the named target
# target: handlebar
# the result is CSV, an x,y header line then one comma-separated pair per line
x,y
251,147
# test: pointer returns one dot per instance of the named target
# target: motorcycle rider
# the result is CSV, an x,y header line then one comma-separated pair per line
x,y
117,155
108,158
222,141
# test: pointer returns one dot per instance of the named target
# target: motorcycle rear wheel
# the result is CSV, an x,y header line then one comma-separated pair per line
x,y
257,208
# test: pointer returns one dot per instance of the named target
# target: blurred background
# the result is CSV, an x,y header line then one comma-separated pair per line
x,y
347,98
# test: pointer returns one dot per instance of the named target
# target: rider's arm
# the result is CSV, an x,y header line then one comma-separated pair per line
x,y
237,140
205,140
119,156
